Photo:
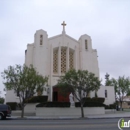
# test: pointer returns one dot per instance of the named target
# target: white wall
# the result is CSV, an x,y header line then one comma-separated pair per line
x,y
30,107
11,96
110,99
88,57
58,112
29,55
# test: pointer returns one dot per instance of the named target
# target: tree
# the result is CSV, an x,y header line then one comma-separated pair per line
x,y
122,88
80,83
2,100
25,82
107,80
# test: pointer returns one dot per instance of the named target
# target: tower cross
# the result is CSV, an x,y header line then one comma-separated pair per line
x,y
63,24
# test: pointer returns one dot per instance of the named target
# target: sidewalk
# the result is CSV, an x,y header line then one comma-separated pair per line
x,y
111,115
104,116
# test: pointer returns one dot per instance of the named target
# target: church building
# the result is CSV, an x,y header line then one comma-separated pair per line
x,y
53,56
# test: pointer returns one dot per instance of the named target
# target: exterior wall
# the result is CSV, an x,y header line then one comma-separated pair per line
x,y
29,55
110,99
58,112
11,96
41,57
88,57
30,107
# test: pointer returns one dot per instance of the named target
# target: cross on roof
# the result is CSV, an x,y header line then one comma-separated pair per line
x,y
63,24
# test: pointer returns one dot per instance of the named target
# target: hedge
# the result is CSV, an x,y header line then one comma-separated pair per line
x,y
13,105
37,99
90,104
54,104
94,99
111,106
101,100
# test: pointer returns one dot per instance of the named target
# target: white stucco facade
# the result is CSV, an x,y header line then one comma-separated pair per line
x,y
42,56
53,56
108,93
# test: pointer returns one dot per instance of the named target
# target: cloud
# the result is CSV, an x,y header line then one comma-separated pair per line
x,y
107,22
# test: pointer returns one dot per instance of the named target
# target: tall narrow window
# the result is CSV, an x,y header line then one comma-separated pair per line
x,y
105,93
63,60
17,93
71,59
41,39
86,44
55,61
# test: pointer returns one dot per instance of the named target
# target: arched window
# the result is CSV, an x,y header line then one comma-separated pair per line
x,y
86,44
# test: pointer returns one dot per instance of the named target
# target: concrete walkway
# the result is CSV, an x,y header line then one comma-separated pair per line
x,y
104,116
111,115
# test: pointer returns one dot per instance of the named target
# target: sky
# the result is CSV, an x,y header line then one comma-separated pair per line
x,y
106,21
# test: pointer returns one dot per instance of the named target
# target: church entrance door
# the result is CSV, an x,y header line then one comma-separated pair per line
x,y
57,97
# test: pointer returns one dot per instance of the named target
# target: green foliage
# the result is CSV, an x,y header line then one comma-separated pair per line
x,y
80,83
23,80
122,87
13,105
111,106
54,104
36,99
99,99
128,93
2,100
108,82
90,104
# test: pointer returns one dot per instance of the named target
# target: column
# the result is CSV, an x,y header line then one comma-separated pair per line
x,y
59,60
51,74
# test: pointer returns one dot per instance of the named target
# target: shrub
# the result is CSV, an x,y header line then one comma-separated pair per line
x,y
99,99
2,100
111,106
36,99
94,99
87,99
54,104
107,107
90,104
13,105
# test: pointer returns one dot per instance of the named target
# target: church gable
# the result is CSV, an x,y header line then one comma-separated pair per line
x,y
63,40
